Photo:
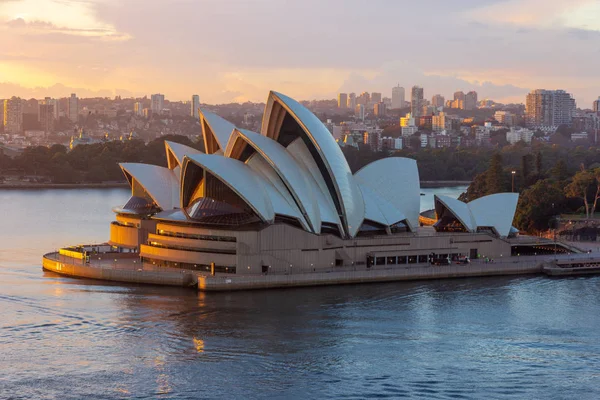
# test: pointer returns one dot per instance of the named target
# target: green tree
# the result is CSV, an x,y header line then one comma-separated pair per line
x,y
538,204
495,182
581,187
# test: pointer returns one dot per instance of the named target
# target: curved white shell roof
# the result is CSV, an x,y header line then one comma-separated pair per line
x,y
160,183
178,151
293,177
219,130
395,180
458,208
379,210
239,178
496,211
346,190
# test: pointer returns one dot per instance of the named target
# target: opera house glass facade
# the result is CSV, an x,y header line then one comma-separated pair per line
x,y
285,200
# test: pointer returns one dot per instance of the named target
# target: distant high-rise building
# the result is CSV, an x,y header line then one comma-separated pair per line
x,y
352,101
46,115
437,101
157,103
364,98
397,97
596,106
549,108
13,115
459,96
342,100
380,109
416,101
471,100
360,111
195,106
375,97
73,108
138,108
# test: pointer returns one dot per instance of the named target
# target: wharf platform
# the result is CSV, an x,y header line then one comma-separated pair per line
x,y
574,265
127,267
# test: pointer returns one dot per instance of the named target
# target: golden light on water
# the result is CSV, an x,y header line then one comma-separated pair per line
x,y
199,345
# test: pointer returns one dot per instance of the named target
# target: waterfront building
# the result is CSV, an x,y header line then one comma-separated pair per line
x,y
157,103
13,115
73,108
549,108
398,97
262,209
195,106
416,101
342,100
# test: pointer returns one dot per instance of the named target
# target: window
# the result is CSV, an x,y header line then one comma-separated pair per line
x,y
391,260
379,260
412,259
402,259
422,258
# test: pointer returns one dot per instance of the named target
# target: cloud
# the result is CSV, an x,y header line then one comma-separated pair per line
x,y
225,50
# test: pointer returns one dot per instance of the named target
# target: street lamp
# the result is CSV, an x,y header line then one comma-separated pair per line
x,y
513,180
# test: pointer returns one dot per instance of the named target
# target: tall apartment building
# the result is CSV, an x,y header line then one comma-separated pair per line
x,y
351,101
397,97
138,109
416,101
73,108
505,118
195,106
342,100
380,109
360,111
460,96
157,103
471,100
13,115
46,116
364,98
438,101
596,106
549,108
375,97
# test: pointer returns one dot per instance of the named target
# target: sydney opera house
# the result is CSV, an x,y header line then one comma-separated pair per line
x,y
284,201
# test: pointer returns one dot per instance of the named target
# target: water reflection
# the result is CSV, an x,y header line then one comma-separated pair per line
x,y
524,337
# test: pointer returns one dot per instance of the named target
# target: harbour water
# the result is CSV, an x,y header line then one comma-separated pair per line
x,y
522,337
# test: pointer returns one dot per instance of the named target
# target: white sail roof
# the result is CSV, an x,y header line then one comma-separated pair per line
x,y
496,211
395,180
176,152
245,182
293,177
344,188
215,130
159,183
459,209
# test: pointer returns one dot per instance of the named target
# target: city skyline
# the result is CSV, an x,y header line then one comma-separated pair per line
x,y
106,48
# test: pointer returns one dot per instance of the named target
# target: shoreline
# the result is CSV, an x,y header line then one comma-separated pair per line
x,y
118,185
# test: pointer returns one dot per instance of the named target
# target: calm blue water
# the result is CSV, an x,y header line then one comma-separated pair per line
x,y
61,338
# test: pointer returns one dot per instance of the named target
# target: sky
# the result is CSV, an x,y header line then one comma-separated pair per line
x,y
238,50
